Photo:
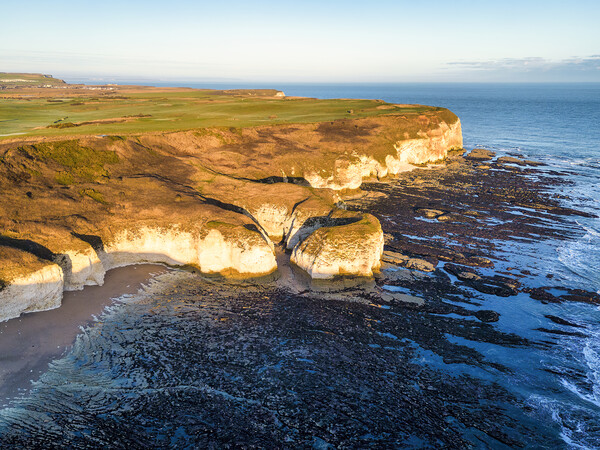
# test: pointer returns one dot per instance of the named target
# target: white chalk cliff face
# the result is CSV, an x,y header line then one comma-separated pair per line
x,y
349,173
247,255
290,227
29,290
37,291
84,269
227,249
150,245
230,249
351,249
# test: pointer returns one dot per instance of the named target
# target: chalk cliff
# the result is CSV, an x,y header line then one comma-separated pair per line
x,y
28,283
349,172
214,248
216,199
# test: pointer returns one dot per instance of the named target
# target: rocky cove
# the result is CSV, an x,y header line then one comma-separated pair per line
x,y
216,199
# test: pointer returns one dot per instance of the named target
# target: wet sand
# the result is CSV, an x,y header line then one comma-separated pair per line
x,y
28,343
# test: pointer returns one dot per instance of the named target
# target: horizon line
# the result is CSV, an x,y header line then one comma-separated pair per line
x,y
133,81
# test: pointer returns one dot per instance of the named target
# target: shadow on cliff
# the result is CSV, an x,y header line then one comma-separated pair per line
x,y
42,252
28,246
293,238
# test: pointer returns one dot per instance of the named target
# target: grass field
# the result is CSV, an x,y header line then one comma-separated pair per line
x,y
28,79
137,111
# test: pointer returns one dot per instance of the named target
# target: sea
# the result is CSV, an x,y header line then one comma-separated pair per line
x,y
190,363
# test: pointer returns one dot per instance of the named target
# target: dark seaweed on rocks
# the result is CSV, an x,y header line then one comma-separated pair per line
x,y
263,368
458,217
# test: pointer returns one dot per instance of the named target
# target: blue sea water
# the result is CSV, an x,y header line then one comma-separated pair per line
x,y
108,385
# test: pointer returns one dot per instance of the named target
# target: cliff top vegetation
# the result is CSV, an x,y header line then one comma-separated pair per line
x,y
77,110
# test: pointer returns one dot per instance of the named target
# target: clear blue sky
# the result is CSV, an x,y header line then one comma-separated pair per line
x,y
304,40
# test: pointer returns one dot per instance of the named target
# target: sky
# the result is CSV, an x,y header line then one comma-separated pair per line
x,y
378,41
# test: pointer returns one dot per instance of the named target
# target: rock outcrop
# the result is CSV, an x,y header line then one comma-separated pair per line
x,y
351,248
480,154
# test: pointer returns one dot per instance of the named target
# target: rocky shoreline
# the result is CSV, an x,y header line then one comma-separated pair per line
x,y
464,218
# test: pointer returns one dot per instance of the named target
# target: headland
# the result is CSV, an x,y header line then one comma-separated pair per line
x,y
98,177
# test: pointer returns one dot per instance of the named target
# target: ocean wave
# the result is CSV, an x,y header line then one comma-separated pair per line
x,y
578,417
585,162
574,422
589,359
581,258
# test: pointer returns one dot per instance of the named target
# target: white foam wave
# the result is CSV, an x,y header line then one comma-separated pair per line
x,y
574,426
591,231
591,398
578,418
590,359
593,163
582,258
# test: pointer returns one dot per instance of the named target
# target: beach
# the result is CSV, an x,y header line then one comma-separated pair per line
x,y
30,342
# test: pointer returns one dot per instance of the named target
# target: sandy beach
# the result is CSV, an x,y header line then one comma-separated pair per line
x,y
28,343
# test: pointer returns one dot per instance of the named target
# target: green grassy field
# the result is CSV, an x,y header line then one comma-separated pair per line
x,y
28,79
171,111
